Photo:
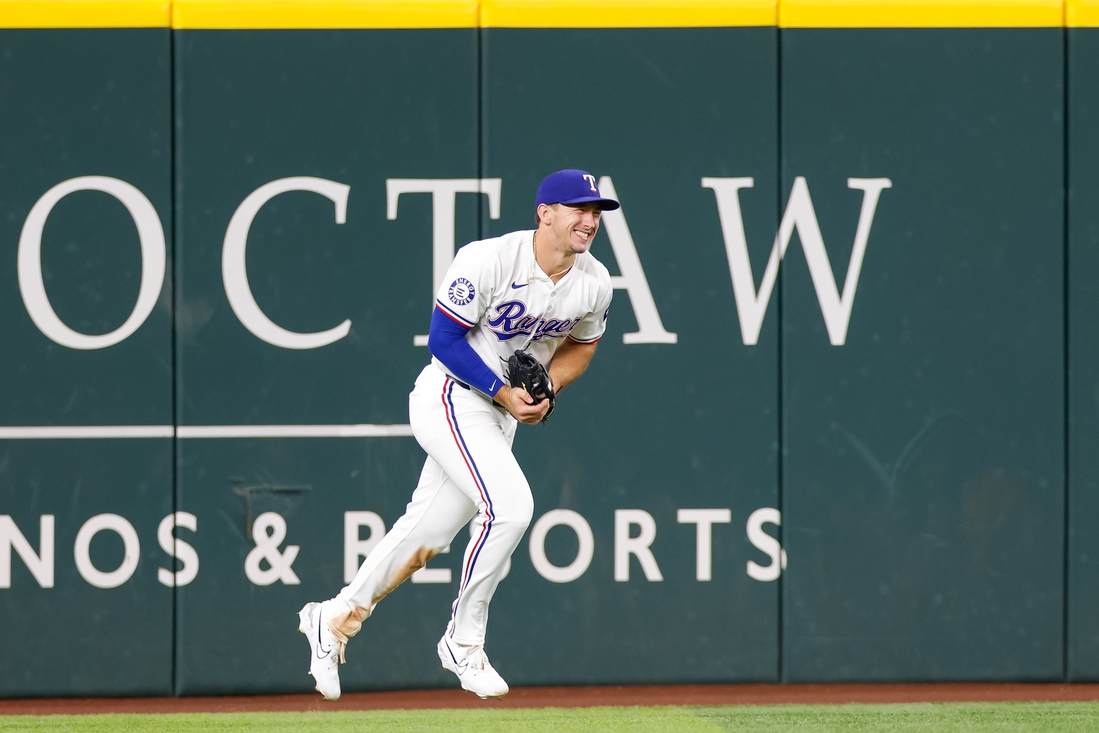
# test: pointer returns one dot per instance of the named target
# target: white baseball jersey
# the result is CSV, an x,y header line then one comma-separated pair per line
x,y
471,478
496,288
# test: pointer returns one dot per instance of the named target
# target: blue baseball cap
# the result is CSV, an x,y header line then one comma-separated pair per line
x,y
571,187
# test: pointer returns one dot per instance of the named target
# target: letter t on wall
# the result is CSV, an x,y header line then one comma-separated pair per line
x,y
443,193
704,519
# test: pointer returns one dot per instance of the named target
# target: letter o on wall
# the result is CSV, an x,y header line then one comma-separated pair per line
x,y
154,254
121,527
584,554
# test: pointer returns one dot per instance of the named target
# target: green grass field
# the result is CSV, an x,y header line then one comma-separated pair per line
x,y
1071,716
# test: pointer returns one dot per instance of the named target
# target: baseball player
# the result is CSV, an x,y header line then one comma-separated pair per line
x,y
540,292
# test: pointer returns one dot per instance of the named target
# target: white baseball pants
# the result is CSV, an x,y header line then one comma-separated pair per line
x,y
470,474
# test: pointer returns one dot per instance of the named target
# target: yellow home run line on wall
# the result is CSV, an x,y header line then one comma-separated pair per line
x,y
85,13
1082,13
920,13
471,14
307,14
324,14
627,13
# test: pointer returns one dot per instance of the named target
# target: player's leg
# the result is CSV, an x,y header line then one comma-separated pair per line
x,y
476,454
436,512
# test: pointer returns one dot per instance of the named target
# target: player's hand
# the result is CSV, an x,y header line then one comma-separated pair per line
x,y
521,405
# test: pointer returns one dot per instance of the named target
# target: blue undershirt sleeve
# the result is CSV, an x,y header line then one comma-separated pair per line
x,y
447,342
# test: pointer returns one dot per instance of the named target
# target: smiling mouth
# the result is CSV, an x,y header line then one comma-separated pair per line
x,y
583,236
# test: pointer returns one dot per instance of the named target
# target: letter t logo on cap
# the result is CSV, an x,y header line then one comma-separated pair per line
x,y
591,182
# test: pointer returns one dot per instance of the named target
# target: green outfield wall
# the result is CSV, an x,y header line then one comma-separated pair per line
x,y
840,427
86,297
1082,649
930,444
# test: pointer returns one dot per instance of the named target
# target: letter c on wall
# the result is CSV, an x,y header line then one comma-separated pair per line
x,y
150,233
234,272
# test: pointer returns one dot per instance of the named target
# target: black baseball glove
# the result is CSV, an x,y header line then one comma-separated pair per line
x,y
526,372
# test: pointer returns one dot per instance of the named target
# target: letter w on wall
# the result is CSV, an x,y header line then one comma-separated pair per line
x,y
752,306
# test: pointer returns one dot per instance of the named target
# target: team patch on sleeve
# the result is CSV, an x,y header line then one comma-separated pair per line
x,y
461,292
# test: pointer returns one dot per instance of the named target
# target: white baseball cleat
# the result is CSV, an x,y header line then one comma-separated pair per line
x,y
326,651
471,665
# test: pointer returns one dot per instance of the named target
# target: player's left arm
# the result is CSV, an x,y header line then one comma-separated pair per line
x,y
569,362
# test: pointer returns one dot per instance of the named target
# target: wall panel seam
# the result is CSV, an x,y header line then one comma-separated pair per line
x,y
1065,284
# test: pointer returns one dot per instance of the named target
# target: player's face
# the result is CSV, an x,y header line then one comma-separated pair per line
x,y
574,227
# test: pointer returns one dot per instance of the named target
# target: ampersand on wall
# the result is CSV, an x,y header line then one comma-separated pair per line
x,y
268,532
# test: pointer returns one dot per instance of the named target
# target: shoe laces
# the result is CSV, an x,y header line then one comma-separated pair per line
x,y
476,656
341,644
341,649
340,639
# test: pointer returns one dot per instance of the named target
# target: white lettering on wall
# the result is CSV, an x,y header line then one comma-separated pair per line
x,y
268,532
266,563
131,554
154,254
638,546
650,329
443,192
355,549
799,215
178,549
584,553
234,271
40,564
766,544
704,519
